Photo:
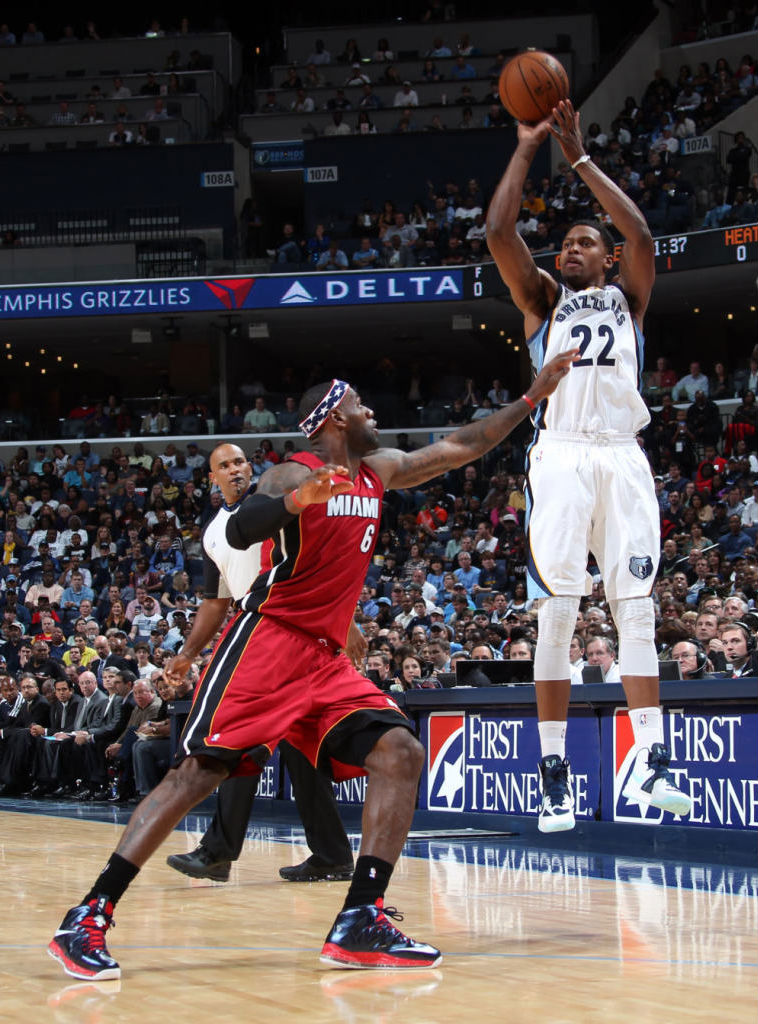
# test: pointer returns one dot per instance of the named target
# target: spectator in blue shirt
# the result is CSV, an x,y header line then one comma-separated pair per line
x,y
165,558
366,256
467,574
74,594
78,476
462,70
733,544
180,472
333,259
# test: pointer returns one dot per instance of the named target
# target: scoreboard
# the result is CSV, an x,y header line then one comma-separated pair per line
x,y
693,250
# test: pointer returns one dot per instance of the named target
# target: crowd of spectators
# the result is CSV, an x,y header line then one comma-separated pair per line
x,y
445,228
101,576
33,34
132,116
446,225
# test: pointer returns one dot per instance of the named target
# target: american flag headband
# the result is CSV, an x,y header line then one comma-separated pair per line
x,y
315,421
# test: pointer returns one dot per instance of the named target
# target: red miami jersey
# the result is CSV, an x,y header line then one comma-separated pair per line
x,y
312,572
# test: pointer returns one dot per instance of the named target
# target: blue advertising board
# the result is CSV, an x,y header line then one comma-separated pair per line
x,y
714,755
268,787
351,791
487,762
278,156
197,295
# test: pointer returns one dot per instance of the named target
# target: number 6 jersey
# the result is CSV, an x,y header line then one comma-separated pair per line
x,y
312,572
601,393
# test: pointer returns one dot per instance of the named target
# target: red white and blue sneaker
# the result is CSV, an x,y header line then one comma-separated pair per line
x,y
557,811
79,943
652,784
366,939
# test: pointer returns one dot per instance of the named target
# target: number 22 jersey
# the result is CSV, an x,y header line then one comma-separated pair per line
x,y
601,393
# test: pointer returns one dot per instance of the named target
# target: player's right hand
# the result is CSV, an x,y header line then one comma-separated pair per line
x,y
534,134
320,485
551,375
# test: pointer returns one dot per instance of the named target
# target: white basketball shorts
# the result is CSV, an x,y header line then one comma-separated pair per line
x,y
590,494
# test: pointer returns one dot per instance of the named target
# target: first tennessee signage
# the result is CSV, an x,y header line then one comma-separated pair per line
x,y
488,763
197,295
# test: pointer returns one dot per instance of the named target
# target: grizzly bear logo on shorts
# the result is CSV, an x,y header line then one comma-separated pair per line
x,y
641,567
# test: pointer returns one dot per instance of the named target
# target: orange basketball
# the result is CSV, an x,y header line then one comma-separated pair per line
x,y
531,84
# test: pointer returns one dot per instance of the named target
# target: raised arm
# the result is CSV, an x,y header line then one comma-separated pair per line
x,y
532,289
637,267
407,469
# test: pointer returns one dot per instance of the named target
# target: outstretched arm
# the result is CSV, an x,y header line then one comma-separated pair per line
x,y
283,492
637,269
401,469
532,289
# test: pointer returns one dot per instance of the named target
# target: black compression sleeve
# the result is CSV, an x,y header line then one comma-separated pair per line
x,y
259,518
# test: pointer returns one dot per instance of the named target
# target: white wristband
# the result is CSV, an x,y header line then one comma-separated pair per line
x,y
584,159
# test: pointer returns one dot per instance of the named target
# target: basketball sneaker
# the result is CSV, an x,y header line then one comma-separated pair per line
x,y
557,811
79,943
651,783
365,938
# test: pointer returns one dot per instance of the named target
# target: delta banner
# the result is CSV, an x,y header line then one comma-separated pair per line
x,y
714,756
488,763
202,295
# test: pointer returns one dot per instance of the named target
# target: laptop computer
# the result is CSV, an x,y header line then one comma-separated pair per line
x,y
668,670
493,673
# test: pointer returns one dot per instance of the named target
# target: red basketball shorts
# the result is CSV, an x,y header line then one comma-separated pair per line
x,y
265,683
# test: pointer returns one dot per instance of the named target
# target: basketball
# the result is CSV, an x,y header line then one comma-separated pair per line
x,y
531,84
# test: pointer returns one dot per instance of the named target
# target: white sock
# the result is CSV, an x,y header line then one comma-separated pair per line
x,y
552,738
647,725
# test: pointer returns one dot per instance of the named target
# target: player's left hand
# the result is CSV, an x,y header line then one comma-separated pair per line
x,y
321,484
564,126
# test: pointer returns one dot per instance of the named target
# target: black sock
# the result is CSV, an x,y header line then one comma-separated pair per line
x,y
370,880
113,880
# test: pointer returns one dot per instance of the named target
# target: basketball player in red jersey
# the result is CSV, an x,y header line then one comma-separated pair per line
x,y
279,672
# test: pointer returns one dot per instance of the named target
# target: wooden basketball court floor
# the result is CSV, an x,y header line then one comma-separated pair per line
x,y
529,935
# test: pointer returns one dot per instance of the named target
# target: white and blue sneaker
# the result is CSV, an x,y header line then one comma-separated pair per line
x,y
557,811
651,783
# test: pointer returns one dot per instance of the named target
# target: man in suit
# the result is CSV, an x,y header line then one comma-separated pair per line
x,y
108,656
18,740
119,706
58,764
63,714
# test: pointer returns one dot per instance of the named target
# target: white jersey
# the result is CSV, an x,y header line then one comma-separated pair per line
x,y
601,394
227,571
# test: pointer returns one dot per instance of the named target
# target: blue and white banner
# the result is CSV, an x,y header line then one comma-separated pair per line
x,y
488,763
714,757
278,156
351,791
195,295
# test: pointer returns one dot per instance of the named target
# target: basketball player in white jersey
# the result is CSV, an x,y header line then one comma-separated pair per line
x,y
588,486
